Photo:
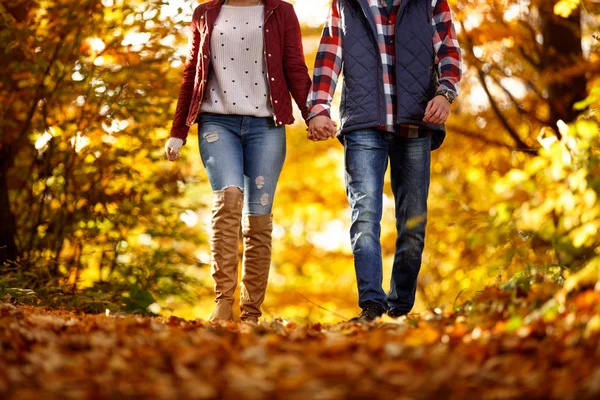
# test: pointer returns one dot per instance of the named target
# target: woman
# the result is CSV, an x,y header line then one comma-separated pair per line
x,y
245,59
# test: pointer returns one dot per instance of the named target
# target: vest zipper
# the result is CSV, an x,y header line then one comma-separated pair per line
x,y
377,75
398,19
379,79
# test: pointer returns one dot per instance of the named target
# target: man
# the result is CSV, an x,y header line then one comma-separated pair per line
x,y
402,67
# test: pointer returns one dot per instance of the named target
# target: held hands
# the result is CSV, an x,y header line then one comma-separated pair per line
x,y
321,128
172,148
438,110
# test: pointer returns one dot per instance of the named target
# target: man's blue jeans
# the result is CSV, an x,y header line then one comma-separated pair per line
x,y
366,160
244,152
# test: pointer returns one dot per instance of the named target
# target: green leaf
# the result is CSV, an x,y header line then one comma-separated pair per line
x,y
514,323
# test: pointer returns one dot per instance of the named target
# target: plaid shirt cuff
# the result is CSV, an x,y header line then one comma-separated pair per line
x,y
317,110
445,84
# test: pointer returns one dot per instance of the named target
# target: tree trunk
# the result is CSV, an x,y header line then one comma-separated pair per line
x,y
20,10
8,226
562,50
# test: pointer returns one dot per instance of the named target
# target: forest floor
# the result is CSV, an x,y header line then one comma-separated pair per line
x,y
499,347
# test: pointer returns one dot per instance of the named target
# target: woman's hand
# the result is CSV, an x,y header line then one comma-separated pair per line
x,y
172,148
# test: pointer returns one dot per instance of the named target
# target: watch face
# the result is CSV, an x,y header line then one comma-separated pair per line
x,y
448,94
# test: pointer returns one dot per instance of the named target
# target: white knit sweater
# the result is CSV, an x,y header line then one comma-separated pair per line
x,y
238,84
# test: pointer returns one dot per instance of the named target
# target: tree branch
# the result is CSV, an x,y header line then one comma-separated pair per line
x,y
501,117
491,142
520,109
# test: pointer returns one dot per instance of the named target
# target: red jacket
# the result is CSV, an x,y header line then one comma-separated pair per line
x,y
284,57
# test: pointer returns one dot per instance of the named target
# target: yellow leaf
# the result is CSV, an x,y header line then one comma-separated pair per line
x,y
592,327
517,176
565,8
55,204
587,276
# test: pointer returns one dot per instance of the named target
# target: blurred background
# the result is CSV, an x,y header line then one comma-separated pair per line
x,y
93,216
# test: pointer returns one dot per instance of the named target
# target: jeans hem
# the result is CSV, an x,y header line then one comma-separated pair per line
x,y
232,186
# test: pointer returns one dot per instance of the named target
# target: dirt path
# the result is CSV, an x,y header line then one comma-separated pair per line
x,y
50,354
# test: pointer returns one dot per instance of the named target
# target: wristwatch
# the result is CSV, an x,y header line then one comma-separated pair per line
x,y
447,93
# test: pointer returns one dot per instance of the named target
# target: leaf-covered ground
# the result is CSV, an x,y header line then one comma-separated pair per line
x,y
501,347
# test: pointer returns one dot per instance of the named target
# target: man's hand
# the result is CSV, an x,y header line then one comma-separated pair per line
x,y
321,128
172,148
438,110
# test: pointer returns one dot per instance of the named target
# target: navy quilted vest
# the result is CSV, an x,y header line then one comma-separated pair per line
x,y
363,101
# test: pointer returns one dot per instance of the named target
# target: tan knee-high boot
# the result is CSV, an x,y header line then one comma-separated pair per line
x,y
256,230
224,241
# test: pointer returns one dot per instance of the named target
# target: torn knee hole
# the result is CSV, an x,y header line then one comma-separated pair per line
x,y
211,137
264,200
260,182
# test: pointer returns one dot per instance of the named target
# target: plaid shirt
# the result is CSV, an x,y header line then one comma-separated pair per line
x,y
328,64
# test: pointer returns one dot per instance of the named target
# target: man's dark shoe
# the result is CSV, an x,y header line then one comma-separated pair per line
x,y
396,313
370,312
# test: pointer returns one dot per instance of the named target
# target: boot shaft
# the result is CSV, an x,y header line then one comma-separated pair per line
x,y
224,243
257,263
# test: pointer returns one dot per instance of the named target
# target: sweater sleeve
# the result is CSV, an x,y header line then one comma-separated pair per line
x,y
180,129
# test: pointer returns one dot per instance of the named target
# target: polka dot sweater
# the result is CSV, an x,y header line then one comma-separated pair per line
x,y
238,83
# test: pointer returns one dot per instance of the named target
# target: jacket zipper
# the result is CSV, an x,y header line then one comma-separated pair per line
x,y
267,64
204,78
205,59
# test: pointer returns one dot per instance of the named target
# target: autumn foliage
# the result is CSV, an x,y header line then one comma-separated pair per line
x,y
93,220
501,346
104,259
